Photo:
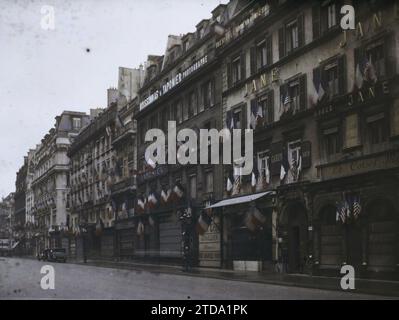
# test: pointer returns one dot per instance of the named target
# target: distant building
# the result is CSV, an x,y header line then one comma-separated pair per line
x,y
102,172
6,216
50,182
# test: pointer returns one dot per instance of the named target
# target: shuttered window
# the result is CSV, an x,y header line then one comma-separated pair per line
x,y
325,17
261,54
291,36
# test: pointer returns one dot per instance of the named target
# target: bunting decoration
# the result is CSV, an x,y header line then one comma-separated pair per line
x,y
141,204
152,201
229,185
177,192
165,195
254,219
140,228
204,221
317,89
150,163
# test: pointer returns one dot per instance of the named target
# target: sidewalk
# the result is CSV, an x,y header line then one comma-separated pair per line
x,y
367,286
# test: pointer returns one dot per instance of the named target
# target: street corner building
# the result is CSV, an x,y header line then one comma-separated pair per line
x,y
323,104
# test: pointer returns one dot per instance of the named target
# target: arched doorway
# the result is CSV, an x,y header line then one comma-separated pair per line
x,y
331,238
294,222
382,235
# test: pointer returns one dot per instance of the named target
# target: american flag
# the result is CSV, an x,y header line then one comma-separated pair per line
x,y
357,208
287,99
341,212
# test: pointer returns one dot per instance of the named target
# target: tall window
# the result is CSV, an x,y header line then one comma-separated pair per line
x,y
236,70
261,54
192,103
331,141
294,95
185,113
375,56
237,118
209,181
292,36
331,72
331,15
177,108
263,158
193,187
154,121
208,95
266,104
164,118
377,128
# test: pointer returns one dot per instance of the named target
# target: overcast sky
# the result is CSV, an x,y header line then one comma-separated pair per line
x,y
43,72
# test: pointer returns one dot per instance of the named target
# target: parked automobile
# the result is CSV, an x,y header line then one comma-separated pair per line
x,y
57,254
44,255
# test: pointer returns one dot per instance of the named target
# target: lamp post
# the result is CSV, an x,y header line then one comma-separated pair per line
x,y
83,229
186,219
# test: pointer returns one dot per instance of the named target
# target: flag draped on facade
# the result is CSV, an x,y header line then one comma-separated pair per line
x,y
204,221
254,219
229,183
284,165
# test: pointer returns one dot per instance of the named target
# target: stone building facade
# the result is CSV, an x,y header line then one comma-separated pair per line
x,y
6,216
322,103
182,86
50,183
103,171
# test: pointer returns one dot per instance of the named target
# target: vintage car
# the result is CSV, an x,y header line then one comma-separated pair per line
x,y
57,254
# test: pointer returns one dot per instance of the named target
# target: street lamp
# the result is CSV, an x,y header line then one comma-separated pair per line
x,y
186,219
83,230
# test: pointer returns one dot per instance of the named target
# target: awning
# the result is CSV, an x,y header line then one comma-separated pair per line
x,y
240,200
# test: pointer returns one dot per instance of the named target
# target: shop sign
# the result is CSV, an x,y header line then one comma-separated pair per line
x,y
247,23
367,94
125,224
384,161
159,170
209,246
172,83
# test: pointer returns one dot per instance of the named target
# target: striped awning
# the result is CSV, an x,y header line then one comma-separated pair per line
x,y
241,200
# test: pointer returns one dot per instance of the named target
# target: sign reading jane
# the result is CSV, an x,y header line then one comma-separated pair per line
x,y
177,79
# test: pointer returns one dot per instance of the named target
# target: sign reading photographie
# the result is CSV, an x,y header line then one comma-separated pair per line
x,y
209,246
176,80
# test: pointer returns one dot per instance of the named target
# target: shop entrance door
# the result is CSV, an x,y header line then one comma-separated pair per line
x,y
297,238
294,252
354,245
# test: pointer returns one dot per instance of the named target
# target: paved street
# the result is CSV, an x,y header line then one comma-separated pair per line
x,y
20,279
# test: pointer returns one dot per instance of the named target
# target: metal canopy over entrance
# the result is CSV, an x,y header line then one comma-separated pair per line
x,y
240,200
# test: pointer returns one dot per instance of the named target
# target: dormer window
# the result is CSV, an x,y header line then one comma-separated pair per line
x,y
186,45
76,123
201,32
